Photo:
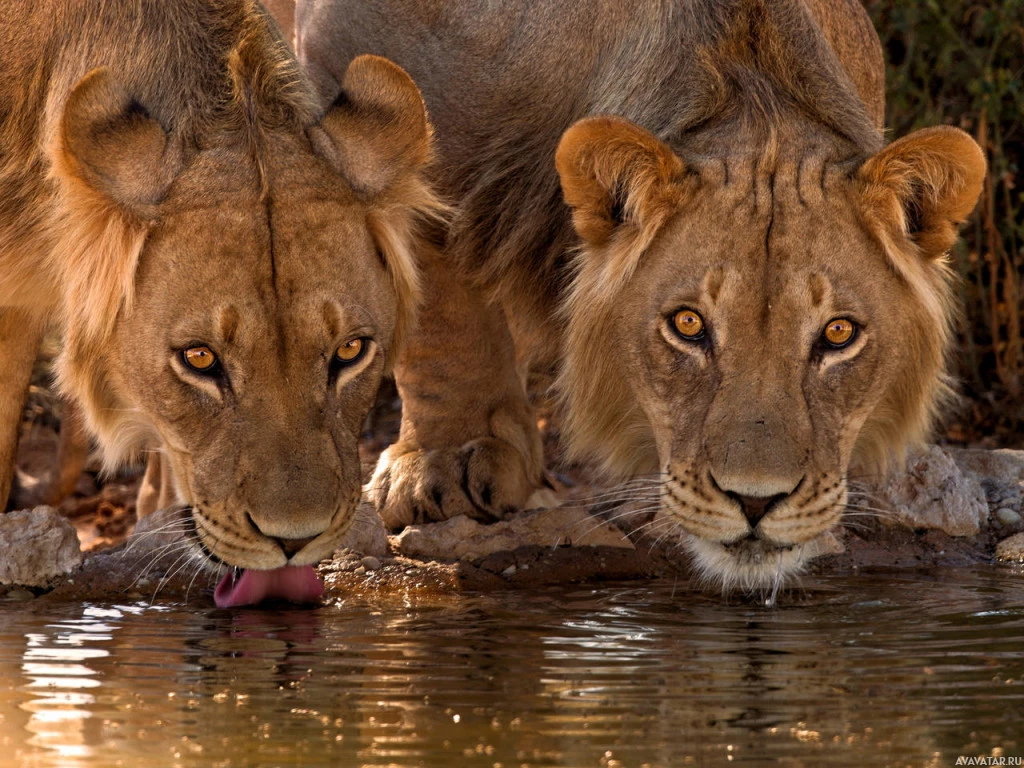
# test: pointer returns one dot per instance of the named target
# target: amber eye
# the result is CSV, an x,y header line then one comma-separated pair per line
x,y
350,351
688,324
839,332
200,359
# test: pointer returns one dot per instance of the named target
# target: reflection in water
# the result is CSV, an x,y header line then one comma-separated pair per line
x,y
57,676
882,669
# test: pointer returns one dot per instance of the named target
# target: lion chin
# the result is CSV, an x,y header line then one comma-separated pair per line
x,y
752,566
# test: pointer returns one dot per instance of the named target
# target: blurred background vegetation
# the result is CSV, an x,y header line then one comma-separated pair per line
x,y
962,63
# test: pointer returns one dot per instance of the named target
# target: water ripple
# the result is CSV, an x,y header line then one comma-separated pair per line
x,y
881,669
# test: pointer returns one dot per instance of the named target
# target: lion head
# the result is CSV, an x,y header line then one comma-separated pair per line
x,y
234,300
751,326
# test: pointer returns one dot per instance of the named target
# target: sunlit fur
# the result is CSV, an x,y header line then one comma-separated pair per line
x,y
725,156
717,535
615,419
168,164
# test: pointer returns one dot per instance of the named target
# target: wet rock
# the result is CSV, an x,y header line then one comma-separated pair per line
x,y
36,547
933,493
461,538
1011,549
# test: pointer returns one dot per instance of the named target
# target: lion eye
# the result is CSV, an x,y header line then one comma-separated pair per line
x,y
839,333
200,359
350,351
688,324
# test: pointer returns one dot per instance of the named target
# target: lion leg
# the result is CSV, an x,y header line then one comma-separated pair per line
x,y
20,336
469,443
72,453
60,480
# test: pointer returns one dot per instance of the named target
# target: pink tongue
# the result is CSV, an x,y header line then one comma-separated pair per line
x,y
300,584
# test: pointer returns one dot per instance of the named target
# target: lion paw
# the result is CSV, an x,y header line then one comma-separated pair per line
x,y
484,479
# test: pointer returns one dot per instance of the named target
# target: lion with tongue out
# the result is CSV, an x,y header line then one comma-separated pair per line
x,y
228,263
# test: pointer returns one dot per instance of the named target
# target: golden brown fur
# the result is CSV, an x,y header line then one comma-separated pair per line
x,y
169,181
720,156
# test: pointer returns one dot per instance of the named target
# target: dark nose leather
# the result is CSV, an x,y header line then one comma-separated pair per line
x,y
756,507
291,546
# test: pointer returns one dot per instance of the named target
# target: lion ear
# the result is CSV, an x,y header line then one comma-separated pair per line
x,y
111,143
921,187
613,173
114,163
378,137
376,132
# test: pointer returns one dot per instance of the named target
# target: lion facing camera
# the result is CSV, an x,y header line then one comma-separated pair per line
x,y
687,209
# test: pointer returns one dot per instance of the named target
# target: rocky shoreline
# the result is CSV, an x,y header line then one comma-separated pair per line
x,y
947,507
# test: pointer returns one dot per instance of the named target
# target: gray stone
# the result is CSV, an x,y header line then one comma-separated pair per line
x,y
1011,549
1003,495
36,547
1003,466
462,538
370,563
1001,474
1007,516
159,531
933,493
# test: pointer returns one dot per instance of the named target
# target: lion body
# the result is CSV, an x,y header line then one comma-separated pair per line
x,y
171,183
722,160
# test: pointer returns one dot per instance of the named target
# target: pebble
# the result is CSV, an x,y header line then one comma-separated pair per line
x,y
21,594
1011,549
360,570
1007,516
509,572
370,563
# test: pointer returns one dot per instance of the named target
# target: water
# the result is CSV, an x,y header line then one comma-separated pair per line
x,y
878,669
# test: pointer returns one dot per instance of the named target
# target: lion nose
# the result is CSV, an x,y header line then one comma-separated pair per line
x,y
291,546
756,507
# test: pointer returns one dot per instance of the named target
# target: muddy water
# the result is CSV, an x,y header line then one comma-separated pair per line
x,y
877,669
